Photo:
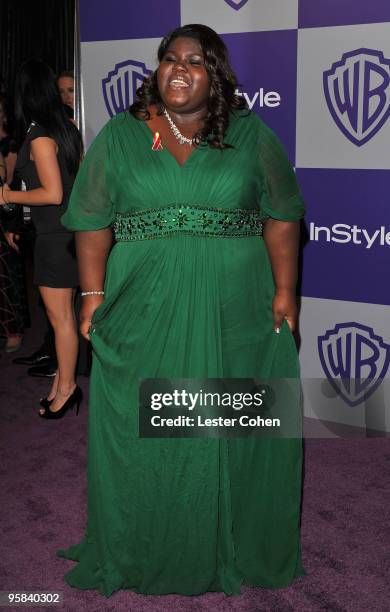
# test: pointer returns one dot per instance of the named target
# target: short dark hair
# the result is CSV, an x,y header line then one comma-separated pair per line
x,y
37,99
222,99
66,73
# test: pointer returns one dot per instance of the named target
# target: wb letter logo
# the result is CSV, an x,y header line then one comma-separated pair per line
x,y
354,359
357,91
121,84
236,4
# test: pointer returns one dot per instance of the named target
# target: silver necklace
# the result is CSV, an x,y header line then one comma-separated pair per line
x,y
176,132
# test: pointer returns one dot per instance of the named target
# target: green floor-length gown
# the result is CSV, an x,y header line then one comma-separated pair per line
x,y
188,293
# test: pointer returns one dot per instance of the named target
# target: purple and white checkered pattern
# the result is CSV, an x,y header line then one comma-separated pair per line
x,y
319,74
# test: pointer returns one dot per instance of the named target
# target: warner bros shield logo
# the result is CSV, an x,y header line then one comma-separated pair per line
x,y
121,84
236,4
357,91
355,360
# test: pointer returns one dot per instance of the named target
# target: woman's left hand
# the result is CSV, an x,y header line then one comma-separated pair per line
x,y
284,306
11,239
3,191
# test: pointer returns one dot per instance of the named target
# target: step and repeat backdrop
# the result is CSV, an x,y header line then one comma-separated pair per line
x,y
318,73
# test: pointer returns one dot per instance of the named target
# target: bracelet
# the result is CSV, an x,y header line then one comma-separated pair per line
x,y
91,293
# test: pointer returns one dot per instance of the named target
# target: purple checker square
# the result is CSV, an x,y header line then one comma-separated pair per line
x,y
346,271
120,20
342,12
268,60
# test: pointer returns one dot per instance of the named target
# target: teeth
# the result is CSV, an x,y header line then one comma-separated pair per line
x,y
180,82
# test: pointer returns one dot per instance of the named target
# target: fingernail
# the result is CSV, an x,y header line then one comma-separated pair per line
x,y
277,330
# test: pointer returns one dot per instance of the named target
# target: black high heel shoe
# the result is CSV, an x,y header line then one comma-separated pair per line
x,y
73,400
44,402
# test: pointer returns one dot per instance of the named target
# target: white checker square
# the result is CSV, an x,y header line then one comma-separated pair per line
x,y
326,132
367,326
226,16
100,58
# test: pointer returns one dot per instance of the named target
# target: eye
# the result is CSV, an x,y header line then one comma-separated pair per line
x,y
169,58
196,61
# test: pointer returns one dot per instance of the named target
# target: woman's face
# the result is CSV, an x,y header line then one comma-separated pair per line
x,y
66,87
182,79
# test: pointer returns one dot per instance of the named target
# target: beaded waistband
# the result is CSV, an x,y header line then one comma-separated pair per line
x,y
186,219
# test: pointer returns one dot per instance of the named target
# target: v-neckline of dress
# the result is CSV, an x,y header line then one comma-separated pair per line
x,y
168,152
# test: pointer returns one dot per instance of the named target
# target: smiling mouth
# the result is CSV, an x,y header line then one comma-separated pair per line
x,y
178,83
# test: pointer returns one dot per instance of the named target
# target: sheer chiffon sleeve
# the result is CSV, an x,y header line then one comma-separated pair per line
x,y
282,199
90,205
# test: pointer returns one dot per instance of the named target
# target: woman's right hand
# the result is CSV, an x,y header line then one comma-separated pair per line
x,y
4,189
90,304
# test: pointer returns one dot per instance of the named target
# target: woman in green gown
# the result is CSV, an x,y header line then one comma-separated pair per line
x,y
193,289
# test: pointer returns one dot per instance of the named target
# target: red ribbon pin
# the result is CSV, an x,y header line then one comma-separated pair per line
x,y
156,146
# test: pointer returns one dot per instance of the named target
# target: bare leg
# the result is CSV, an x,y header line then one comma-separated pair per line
x,y
54,387
59,308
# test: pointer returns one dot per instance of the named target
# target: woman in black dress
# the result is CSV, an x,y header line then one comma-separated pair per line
x,y
47,162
